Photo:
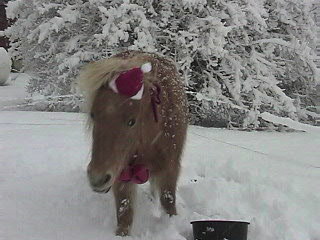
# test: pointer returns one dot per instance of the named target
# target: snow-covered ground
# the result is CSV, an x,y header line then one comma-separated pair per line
x,y
268,178
13,94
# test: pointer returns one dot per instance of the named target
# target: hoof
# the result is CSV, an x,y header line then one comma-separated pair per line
x,y
122,232
172,213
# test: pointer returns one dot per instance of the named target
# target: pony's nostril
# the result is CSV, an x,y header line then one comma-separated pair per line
x,y
99,182
107,178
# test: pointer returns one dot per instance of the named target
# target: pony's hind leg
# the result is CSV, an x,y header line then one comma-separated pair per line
x,y
167,189
124,194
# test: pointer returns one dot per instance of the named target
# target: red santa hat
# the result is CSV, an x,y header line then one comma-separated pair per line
x,y
130,83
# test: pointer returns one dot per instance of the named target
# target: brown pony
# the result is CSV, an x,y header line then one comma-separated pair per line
x,y
148,132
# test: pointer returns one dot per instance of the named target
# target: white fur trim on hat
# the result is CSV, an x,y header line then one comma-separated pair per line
x,y
112,85
139,94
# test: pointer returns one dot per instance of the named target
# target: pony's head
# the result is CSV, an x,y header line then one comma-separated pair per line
x,y
117,97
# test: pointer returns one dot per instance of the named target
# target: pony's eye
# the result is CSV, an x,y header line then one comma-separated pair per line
x,y
131,122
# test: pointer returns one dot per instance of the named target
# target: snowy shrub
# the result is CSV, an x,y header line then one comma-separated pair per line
x,y
238,58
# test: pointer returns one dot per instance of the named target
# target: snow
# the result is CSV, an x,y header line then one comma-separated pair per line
x,y
268,178
5,66
290,123
13,94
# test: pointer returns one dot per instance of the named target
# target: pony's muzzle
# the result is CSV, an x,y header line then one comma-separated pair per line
x,y
100,183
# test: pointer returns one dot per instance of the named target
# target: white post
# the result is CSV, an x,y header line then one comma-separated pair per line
x,y
5,66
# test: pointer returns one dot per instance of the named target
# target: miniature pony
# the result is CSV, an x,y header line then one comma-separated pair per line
x,y
138,112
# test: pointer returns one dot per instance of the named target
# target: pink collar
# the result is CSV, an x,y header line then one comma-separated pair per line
x,y
136,173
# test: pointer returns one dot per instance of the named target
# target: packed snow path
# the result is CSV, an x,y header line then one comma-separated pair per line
x,y
270,179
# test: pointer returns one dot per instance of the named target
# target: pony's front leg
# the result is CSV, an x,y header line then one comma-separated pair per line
x,y
167,188
124,194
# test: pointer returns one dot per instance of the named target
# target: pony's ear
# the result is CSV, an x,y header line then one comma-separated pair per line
x,y
130,83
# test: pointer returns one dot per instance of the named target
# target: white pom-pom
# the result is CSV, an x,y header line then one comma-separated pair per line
x,y
147,67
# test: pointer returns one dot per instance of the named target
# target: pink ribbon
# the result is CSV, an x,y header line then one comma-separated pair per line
x,y
137,173
155,100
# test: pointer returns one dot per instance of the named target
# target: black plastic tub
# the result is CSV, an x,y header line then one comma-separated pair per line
x,y
220,230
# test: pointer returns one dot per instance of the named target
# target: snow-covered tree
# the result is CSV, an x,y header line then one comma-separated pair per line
x,y
292,23
237,57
